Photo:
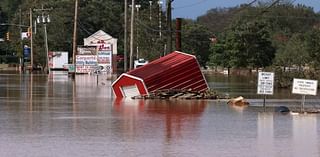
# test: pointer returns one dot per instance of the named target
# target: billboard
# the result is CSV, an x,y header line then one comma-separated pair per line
x,y
86,63
87,50
105,56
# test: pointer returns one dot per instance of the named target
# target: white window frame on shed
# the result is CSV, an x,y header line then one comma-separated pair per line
x,y
130,91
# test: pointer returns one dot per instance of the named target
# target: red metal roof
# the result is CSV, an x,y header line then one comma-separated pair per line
x,y
176,70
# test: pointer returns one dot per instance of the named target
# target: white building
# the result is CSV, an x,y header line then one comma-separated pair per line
x,y
100,37
107,49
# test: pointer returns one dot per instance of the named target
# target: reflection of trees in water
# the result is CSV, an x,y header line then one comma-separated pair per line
x,y
177,117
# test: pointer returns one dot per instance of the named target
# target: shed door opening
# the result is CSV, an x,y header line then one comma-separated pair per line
x,y
130,91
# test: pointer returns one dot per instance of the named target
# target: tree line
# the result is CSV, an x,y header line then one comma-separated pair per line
x,y
282,38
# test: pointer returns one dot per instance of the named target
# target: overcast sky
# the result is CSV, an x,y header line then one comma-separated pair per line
x,y
194,8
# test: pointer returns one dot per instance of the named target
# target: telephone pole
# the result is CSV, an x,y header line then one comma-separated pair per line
x,y
169,25
131,34
137,6
178,34
160,16
44,20
125,36
31,40
74,42
21,44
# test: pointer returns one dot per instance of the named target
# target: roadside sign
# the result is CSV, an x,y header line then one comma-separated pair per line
x,y
304,87
265,83
26,52
71,68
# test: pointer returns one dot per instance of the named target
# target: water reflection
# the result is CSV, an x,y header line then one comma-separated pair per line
x,y
305,136
178,116
273,133
265,135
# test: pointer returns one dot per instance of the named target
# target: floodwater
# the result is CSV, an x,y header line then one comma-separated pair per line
x,y
53,116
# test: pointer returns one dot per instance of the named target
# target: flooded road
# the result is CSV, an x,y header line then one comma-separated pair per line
x,y
53,116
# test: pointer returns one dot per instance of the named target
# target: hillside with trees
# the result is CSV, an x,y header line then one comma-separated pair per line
x,y
280,37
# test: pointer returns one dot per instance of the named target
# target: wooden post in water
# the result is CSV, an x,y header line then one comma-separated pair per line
x,y
264,102
97,79
302,104
74,42
31,40
131,35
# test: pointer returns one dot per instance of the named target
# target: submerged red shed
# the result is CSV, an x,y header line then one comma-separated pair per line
x,y
176,70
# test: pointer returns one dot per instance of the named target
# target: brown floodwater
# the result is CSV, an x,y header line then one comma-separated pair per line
x,y
52,115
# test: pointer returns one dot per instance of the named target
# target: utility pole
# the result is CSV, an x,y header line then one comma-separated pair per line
x,y
138,6
125,36
160,26
150,8
160,16
45,19
31,40
74,43
169,19
46,44
178,34
131,34
21,44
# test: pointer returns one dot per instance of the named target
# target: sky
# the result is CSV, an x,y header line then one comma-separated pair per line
x,y
194,8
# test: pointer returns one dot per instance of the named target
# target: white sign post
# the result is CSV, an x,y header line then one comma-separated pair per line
x,y
265,85
304,87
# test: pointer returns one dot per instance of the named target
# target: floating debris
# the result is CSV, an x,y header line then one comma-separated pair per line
x,y
306,111
238,101
179,94
282,109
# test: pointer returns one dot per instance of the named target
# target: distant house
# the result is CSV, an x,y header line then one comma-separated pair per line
x,y
105,53
176,70
100,37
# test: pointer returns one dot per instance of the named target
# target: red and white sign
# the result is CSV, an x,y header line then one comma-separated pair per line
x,y
104,57
25,35
104,47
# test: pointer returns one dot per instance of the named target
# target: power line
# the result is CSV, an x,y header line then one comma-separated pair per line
x,y
157,30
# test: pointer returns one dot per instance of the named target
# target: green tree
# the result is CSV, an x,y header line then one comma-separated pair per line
x,y
218,19
196,40
313,48
93,16
294,53
218,56
249,45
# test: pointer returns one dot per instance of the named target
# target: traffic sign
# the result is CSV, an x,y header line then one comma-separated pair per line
x,y
265,83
